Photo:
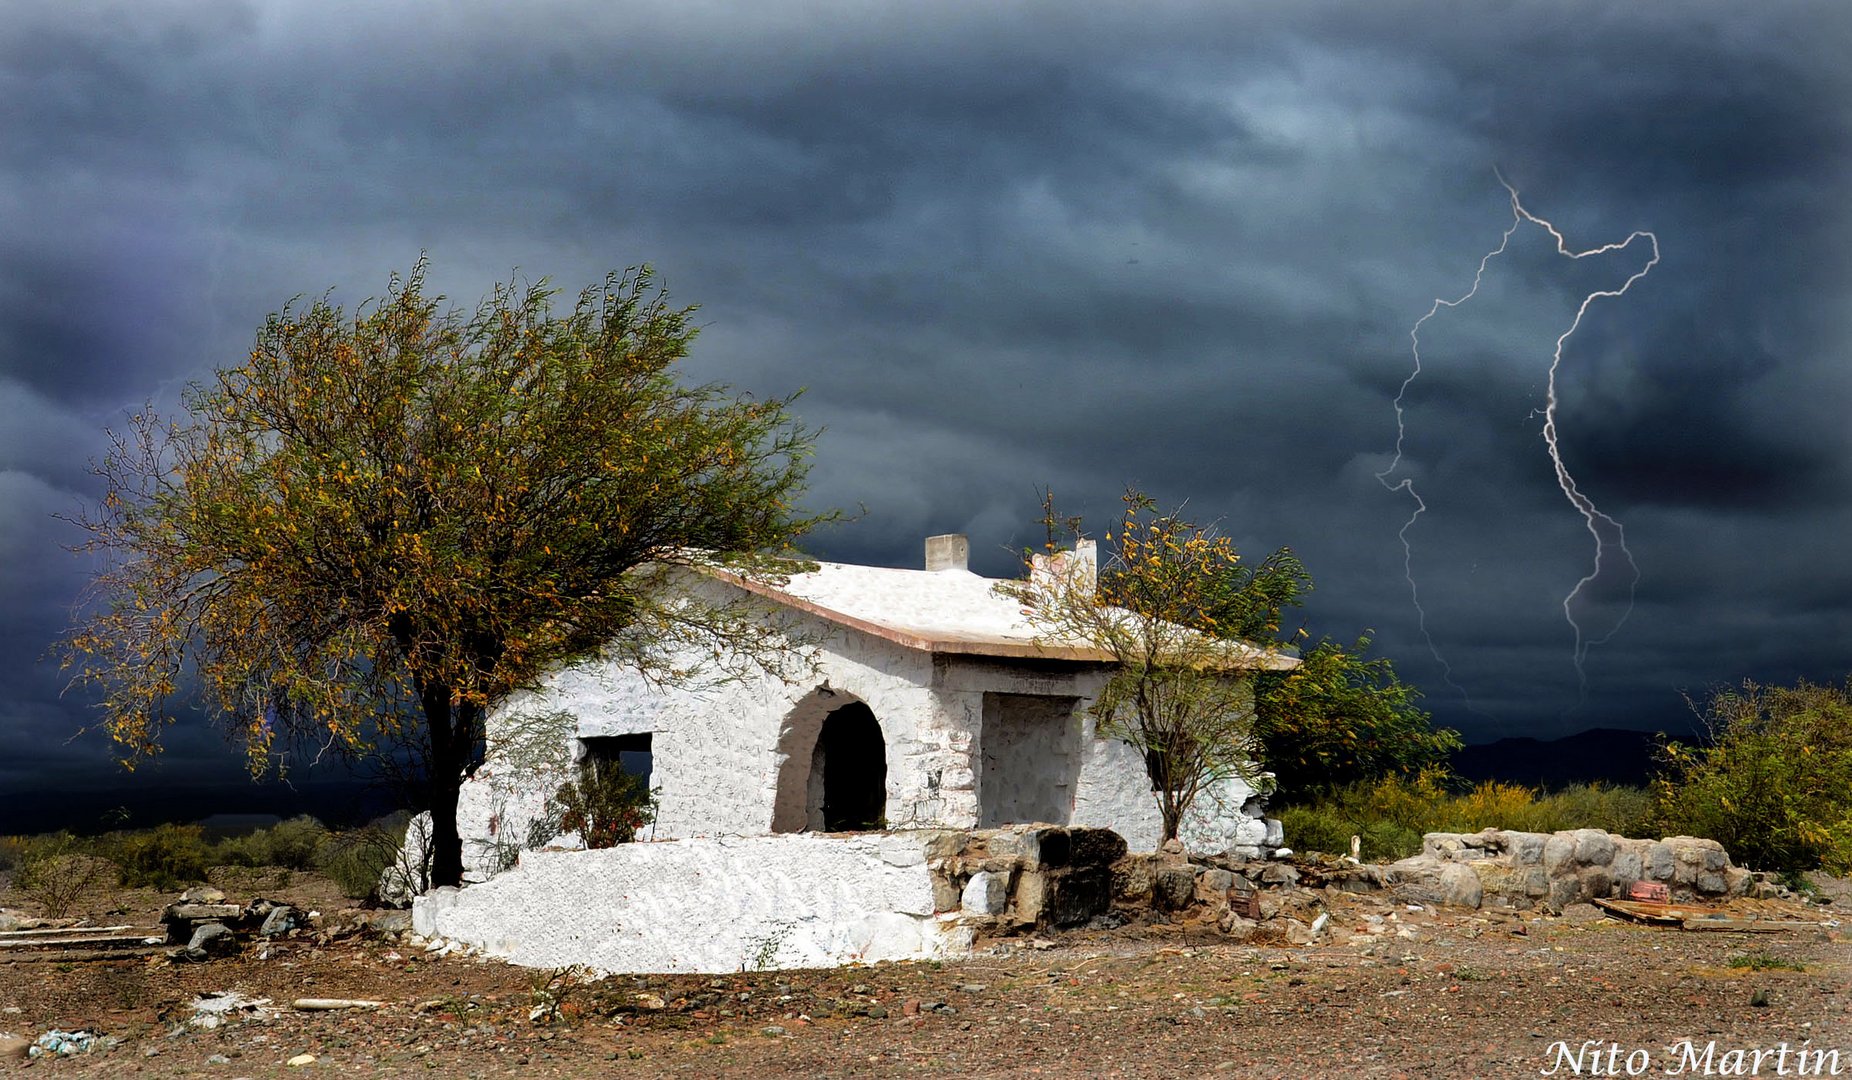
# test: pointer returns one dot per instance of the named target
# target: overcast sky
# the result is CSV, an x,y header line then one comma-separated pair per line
x,y
1179,245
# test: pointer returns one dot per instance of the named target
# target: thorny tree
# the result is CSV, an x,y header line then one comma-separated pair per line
x,y
377,527
1179,692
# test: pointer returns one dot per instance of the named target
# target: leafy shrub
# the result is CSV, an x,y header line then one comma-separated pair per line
x,y
1774,786
605,806
55,873
164,857
1340,718
295,844
10,849
355,859
1391,814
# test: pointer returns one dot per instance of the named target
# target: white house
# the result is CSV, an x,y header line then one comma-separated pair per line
x,y
930,700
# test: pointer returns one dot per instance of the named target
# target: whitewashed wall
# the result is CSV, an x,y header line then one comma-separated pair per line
x,y
706,905
730,754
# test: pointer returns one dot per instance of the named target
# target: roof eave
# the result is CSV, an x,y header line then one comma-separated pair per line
x,y
957,646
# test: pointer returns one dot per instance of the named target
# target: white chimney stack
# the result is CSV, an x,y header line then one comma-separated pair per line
x,y
948,551
1079,568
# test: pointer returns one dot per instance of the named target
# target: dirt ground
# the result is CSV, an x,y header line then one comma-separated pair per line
x,y
1385,991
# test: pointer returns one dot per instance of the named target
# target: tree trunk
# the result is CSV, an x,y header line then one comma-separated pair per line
x,y
1172,813
447,759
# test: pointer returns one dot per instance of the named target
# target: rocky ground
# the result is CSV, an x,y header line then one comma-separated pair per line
x,y
1387,989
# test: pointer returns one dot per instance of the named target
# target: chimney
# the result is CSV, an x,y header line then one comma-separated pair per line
x,y
1079,568
948,551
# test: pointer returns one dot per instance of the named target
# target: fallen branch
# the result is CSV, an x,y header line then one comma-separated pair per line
x,y
331,1004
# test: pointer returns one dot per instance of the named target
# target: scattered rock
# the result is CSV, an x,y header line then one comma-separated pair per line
x,y
389,922
1280,873
280,920
985,893
1173,887
210,940
214,1010
300,1060
68,1044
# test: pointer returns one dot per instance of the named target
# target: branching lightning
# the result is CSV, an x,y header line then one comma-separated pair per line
x,y
1604,529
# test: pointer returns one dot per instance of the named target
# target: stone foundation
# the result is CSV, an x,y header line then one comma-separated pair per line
x,y
1500,868
1024,876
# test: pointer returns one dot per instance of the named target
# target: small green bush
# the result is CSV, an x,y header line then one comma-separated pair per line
x,y
1341,717
295,844
356,858
605,806
164,857
1774,786
10,848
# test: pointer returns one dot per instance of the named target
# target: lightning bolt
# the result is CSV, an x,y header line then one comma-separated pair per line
x,y
1602,528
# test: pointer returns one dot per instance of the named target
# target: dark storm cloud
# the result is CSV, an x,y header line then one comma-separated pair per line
x,y
1180,245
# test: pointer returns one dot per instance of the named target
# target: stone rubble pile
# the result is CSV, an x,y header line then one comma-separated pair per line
x,y
203,926
1239,895
1024,876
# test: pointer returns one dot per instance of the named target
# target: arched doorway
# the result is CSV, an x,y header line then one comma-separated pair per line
x,y
851,761
831,771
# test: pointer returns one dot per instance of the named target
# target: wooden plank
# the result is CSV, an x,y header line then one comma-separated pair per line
x,y
1655,914
94,941
79,956
1695,917
1748,926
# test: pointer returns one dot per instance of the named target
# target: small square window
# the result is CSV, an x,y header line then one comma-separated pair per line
x,y
628,754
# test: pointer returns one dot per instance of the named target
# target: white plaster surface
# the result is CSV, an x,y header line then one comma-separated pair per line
x,y
1030,759
732,755
938,603
952,604
706,905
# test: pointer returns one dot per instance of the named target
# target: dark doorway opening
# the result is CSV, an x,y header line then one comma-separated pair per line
x,y
851,757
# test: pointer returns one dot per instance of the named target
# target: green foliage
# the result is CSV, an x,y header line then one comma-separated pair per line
x,y
55,868
356,858
377,526
1391,813
164,857
1248,601
605,806
1177,691
295,844
1765,961
1340,717
1774,786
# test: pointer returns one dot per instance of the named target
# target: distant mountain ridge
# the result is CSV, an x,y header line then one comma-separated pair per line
x,y
342,802
1605,755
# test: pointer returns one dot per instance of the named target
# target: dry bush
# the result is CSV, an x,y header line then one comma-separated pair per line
x,y
57,881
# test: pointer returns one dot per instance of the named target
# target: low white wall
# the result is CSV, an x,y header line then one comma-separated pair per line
x,y
715,904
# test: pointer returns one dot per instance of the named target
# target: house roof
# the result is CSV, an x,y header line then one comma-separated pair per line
x,y
940,611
